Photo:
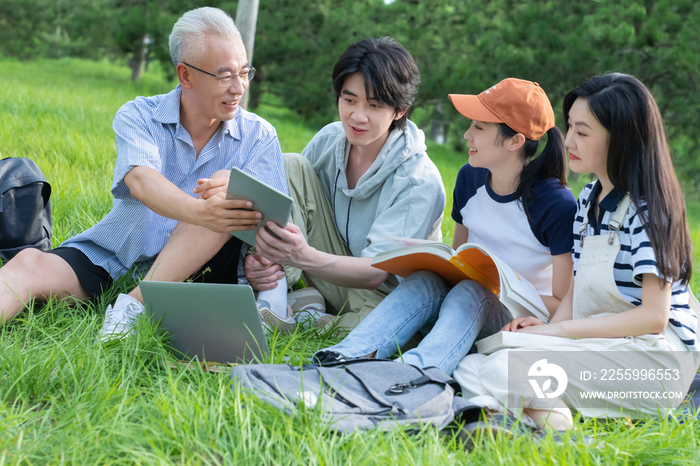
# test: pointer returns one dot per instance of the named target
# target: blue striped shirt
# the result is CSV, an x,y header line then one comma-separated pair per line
x,y
636,257
149,134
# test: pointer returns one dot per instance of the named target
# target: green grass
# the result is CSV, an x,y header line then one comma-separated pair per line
x,y
66,399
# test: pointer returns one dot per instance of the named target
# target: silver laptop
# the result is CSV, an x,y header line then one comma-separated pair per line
x,y
213,322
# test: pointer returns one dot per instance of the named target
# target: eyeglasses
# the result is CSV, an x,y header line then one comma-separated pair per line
x,y
225,79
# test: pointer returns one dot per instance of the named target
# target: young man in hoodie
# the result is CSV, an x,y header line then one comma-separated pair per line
x,y
358,180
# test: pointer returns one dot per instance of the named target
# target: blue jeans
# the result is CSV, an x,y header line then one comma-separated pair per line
x,y
450,320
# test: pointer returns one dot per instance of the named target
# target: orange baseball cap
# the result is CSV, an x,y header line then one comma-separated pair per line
x,y
522,105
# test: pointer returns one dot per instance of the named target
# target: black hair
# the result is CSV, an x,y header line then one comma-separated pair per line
x,y
639,162
389,72
551,163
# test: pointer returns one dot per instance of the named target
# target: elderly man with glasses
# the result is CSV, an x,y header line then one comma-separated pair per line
x,y
174,154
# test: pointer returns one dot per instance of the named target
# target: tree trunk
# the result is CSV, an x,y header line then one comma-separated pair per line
x,y
246,18
436,124
137,60
147,41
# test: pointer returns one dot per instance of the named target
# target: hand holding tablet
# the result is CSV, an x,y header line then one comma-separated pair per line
x,y
272,204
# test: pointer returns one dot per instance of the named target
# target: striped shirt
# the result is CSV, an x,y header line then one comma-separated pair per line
x,y
636,257
149,134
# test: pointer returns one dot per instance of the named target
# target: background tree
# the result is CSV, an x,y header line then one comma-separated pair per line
x,y
246,21
297,44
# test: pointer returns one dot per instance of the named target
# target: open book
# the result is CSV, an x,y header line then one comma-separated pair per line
x,y
503,340
468,261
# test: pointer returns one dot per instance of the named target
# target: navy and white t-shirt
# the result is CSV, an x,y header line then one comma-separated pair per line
x,y
636,257
499,223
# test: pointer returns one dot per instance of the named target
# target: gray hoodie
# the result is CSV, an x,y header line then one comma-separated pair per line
x,y
401,194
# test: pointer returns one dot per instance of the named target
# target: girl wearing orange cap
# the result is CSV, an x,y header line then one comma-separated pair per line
x,y
628,306
510,198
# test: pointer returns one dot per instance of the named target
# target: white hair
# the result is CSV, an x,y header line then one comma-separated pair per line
x,y
187,39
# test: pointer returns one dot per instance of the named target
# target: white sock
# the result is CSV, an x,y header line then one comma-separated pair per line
x,y
277,297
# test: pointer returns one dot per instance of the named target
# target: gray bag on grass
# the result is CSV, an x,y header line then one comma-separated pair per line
x,y
360,394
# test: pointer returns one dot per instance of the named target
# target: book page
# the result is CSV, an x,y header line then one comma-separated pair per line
x,y
521,286
401,242
503,340
500,273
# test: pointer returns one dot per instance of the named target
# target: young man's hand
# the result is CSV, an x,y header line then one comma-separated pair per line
x,y
261,273
285,246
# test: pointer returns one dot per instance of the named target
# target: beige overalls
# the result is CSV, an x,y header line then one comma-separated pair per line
x,y
484,379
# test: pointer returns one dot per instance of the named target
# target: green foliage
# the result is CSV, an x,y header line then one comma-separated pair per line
x,y
19,23
460,46
470,45
297,44
56,28
137,19
69,131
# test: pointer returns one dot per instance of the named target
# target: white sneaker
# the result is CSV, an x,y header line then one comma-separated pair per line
x,y
309,307
120,319
306,299
269,319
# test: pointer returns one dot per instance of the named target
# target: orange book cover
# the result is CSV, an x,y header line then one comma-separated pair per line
x,y
453,271
470,261
482,264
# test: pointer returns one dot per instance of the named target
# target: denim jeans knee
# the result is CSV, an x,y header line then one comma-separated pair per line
x,y
468,312
414,304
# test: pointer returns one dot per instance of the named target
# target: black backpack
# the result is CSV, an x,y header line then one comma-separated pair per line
x,y
25,209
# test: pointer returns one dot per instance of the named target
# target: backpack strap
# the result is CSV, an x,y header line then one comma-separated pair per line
x,y
430,374
349,362
440,376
